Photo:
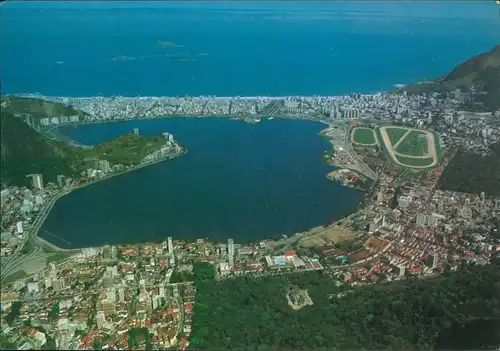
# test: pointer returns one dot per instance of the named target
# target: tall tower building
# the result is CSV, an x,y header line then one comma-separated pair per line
x,y
230,253
170,245
100,319
37,181
432,259
421,219
121,294
230,247
223,250
60,180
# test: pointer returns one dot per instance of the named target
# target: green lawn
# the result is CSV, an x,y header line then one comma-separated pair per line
x,y
395,133
418,162
415,144
364,136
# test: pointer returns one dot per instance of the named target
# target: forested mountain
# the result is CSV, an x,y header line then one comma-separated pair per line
x,y
481,72
25,151
469,172
250,314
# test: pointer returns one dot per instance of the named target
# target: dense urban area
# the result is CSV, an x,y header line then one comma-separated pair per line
x,y
416,262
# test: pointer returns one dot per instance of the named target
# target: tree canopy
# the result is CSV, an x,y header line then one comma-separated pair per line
x,y
247,314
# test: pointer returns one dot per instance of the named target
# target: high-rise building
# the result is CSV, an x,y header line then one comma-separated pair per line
x,y
434,219
404,201
223,250
401,271
60,180
162,291
103,165
57,285
170,245
37,181
156,301
111,294
100,319
432,259
421,219
121,294
230,246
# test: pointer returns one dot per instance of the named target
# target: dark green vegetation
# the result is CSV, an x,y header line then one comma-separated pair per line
x,y
14,277
25,151
475,335
414,144
416,162
364,136
139,336
469,172
13,313
38,108
395,134
127,149
481,72
249,314
201,271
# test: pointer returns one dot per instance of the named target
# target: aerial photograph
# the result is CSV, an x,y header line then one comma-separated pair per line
x,y
250,175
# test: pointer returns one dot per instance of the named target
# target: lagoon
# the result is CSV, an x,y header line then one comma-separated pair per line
x,y
243,181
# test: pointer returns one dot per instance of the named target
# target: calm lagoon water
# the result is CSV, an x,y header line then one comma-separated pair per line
x,y
238,180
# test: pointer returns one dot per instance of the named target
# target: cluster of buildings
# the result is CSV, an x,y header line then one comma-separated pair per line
x,y
20,207
110,297
137,296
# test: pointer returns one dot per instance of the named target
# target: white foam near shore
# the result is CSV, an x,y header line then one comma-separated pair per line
x,y
314,97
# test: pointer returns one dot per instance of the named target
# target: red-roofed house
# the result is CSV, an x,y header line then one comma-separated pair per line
x,y
188,307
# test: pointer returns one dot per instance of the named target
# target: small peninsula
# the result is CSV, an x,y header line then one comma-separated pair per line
x,y
26,151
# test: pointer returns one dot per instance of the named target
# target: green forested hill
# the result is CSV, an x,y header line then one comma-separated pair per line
x,y
250,314
38,107
469,172
481,71
25,151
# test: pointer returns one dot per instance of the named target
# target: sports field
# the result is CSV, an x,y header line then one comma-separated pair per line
x,y
414,144
364,136
395,134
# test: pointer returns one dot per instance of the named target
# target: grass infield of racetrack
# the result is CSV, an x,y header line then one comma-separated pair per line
x,y
409,161
395,134
414,144
362,135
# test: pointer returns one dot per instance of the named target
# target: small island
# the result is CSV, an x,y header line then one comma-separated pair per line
x,y
167,44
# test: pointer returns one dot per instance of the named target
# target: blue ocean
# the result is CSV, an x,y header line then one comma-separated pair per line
x,y
246,182
253,48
